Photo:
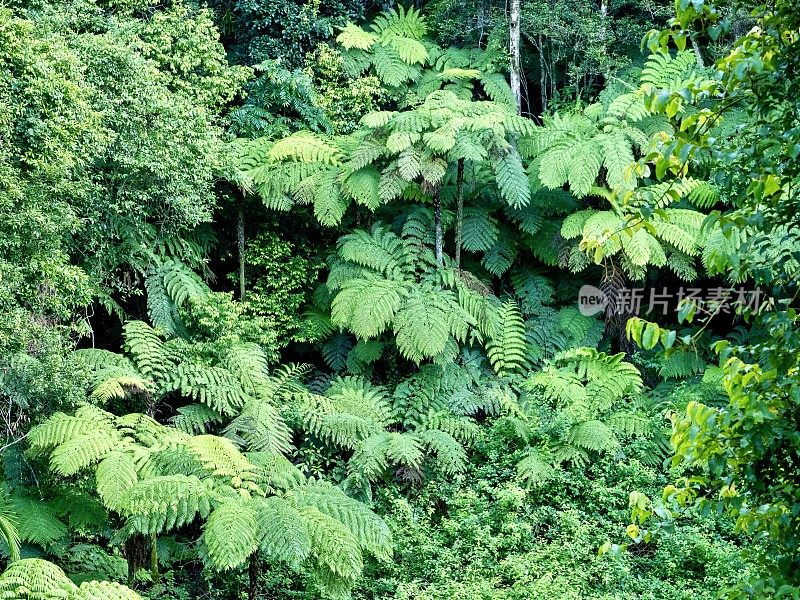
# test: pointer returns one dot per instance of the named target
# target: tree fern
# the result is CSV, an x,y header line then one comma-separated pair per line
x,y
367,306
593,435
196,418
215,387
369,530
592,405
9,533
82,451
38,522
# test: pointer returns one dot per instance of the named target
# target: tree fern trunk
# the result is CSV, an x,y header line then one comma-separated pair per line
x,y
459,211
514,52
241,242
253,572
136,553
437,218
154,557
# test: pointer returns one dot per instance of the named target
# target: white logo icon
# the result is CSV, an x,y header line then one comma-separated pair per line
x,y
591,300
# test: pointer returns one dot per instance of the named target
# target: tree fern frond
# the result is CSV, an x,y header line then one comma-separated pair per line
x,y
512,180
104,590
163,503
593,435
506,347
35,579
369,529
38,522
367,306
230,534
305,146
282,530
115,476
84,450
534,470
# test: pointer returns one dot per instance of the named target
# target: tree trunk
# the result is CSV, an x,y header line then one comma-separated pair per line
x,y
136,553
542,74
437,218
459,211
241,244
697,52
154,557
253,572
514,52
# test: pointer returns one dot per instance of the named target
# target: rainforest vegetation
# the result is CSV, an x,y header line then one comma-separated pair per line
x,y
457,299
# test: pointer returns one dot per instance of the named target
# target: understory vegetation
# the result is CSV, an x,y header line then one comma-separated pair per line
x,y
449,300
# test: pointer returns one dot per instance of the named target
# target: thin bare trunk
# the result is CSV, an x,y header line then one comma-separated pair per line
x,y
604,36
514,52
697,52
437,218
459,211
241,244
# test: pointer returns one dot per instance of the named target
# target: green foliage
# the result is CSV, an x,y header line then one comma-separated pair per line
x,y
37,579
453,384
583,403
